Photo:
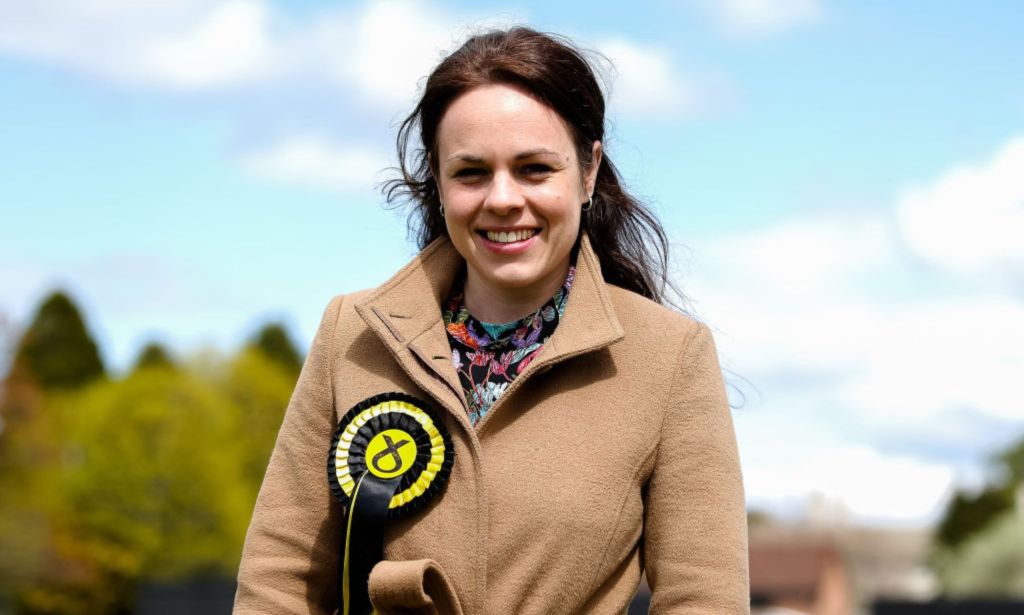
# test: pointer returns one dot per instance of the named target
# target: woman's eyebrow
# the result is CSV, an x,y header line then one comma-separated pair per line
x,y
465,158
530,153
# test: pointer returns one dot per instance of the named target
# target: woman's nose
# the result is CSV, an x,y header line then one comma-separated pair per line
x,y
504,195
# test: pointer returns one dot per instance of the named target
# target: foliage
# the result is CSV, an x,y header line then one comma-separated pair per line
x,y
1012,463
990,563
274,342
966,515
57,350
149,477
154,355
979,543
259,387
146,483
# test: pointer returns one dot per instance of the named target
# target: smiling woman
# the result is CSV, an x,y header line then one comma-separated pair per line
x,y
563,431
511,197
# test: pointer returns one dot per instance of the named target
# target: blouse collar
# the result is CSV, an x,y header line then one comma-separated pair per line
x,y
518,333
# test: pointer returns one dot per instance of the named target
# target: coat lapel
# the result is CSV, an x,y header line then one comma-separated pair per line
x,y
405,312
590,321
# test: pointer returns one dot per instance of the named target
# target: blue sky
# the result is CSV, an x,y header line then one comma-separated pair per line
x,y
844,183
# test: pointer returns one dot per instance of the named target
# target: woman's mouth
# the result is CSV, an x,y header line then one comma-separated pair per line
x,y
510,236
509,242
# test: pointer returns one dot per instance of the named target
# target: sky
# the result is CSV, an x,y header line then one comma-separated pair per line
x,y
842,183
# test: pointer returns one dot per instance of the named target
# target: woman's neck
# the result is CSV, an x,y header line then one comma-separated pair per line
x,y
491,303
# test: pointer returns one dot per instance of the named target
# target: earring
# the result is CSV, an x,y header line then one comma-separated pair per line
x,y
588,205
440,207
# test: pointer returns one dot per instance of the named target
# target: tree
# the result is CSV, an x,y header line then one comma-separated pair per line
x,y
148,484
154,355
273,341
260,388
979,543
57,349
967,515
108,482
990,563
1012,463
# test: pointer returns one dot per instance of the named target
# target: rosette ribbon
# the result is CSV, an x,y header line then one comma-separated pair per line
x,y
390,455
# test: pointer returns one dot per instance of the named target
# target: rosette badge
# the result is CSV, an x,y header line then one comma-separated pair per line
x,y
390,455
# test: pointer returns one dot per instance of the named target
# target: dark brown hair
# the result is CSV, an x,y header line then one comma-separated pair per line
x,y
629,241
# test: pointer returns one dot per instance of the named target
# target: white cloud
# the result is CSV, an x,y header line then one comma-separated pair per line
x,y
182,44
317,162
784,292
971,219
645,83
378,51
390,47
385,50
847,340
751,18
814,252
861,482
229,45
933,356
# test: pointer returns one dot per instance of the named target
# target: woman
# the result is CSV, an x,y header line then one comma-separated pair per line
x,y
591,432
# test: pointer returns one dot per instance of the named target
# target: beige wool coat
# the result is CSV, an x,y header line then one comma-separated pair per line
x,y
611,454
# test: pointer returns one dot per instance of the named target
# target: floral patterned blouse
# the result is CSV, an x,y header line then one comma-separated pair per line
x,y
489,356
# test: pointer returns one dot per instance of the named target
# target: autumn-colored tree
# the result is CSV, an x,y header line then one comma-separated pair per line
x,y
55,353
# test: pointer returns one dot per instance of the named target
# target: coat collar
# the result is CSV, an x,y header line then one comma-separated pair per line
x,y
405,312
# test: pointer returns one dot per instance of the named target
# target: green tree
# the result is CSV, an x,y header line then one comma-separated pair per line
x,y
273,341
1012,463
979,543
57,349
106,483
260,388
966,514
990,563
154,355
148,484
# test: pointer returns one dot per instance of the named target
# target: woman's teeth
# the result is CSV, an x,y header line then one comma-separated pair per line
x,y
503,237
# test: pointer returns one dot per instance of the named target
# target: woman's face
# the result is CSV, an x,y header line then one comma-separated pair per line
x,y
512,188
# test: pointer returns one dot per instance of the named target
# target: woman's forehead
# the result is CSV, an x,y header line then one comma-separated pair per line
x,y
503,119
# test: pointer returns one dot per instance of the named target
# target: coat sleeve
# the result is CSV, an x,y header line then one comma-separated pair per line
x,y
290,558
695,531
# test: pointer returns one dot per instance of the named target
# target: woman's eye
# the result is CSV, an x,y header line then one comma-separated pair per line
x,y
536,169
468,173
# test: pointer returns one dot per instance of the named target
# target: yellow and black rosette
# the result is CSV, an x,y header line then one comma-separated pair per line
x,y
390,455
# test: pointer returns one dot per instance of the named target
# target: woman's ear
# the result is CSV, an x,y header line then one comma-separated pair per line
x,y
595,164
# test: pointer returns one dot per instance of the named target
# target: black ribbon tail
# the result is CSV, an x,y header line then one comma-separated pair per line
x,y
364,541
